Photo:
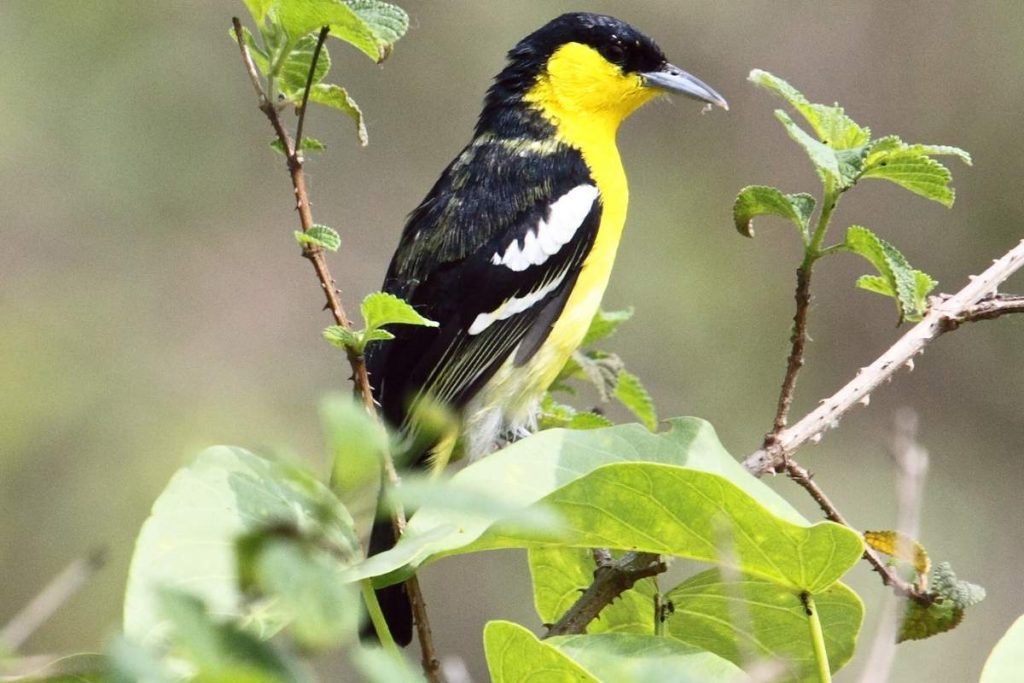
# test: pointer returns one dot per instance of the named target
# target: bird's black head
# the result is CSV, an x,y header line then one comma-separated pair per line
x,y
591,64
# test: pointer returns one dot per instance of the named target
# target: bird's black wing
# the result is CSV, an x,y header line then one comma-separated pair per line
x,y
491,255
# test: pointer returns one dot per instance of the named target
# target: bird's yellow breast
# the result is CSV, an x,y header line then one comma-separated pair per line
x,y
585,98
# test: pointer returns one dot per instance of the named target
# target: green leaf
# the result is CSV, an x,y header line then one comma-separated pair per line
x,y
909,287
604,325
387,22
830,123
308,145
554,414
188,541
761,200
823,157
221,651
515,655
355,447
560,574
377,665
955,596
305,581
1006,661
300,18
643,500
129,662
745,620
258,54
337,97
294,71
909,166
380,308
321,236
631,657
259,8
631,393
344,338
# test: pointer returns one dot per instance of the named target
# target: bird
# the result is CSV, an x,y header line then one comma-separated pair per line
x,y
512,248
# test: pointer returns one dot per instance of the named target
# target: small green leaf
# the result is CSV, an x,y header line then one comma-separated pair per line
x,y
909,167
337,97
761,200
745,619
514,655
308,145
300,18
631,393
306,583
381,308
259,8
220,650
955,596
344,338
294,71
635,657
1006,661
387,22
585,419
895,278
321,236
558,576
604,325
188,541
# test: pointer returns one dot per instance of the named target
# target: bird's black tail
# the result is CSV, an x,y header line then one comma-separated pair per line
x,y
394,600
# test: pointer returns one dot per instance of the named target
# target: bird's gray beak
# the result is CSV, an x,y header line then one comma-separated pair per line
x,y
673,79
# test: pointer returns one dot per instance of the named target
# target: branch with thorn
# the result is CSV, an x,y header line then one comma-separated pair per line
x,y
315,255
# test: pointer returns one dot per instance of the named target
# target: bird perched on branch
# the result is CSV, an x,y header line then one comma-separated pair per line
x,y
512,248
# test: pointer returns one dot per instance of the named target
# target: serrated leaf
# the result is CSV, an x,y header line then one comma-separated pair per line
x,y
604,325
1005,663
586,419
308,145
188,541
331,95
558,575
830,123
946,613
643,499
909,287
631,393
747,620
321,236
598,368
761,200
913,170
294,71
381,308
514,655
387,22
300,18
344,338
634,657
900,546
823,157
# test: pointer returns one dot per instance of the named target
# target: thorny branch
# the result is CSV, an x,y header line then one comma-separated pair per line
x,y
315,255
612,578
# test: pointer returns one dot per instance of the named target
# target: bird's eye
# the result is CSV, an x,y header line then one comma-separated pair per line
x,y
615,53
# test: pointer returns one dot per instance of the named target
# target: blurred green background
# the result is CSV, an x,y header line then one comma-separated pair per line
x,y
152,300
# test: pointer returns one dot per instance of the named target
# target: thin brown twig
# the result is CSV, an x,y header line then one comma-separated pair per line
x,y
360,377
612,578
51,598
798,341
976,301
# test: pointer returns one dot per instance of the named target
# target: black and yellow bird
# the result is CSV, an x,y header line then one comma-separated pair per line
x,y
512,248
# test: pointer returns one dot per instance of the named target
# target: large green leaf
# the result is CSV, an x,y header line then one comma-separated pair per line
x,y
559,574
630,657
188,542
641,500
300,18
748,619
514,654
1006,662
